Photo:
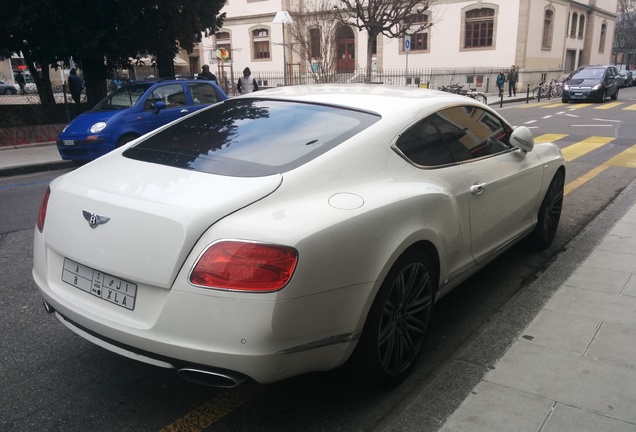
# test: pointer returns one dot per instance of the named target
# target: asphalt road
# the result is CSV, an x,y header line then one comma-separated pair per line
x,y
53,380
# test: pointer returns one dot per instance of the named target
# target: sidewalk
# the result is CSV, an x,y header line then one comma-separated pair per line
x,y
30,158
561,357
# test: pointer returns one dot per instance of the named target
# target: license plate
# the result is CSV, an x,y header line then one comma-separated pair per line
x,y
68,142
106,287
578,94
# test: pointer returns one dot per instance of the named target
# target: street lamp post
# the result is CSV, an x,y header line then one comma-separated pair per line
x,y
282,18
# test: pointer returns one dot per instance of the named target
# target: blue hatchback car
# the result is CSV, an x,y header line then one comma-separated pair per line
x,y
132,111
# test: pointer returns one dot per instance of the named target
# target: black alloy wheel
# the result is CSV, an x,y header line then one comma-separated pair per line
x,y
549,213
398,321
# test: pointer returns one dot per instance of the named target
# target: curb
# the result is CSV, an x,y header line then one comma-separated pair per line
x,y
34,168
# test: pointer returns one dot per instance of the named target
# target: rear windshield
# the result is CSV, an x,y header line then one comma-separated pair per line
x,y
122,98
252,137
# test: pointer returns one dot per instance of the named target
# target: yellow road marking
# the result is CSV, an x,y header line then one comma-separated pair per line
x,y
630,107
609,105
575,106
548,138
214,409
552,105
583,179
579,149
625,159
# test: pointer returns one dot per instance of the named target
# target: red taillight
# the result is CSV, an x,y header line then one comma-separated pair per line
x,y
42,212
242,266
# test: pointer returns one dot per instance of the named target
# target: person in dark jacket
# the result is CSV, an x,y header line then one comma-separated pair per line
x,y
21,82
75,85
206,74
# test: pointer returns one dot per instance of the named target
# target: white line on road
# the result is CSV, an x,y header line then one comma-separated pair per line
x,y
608,120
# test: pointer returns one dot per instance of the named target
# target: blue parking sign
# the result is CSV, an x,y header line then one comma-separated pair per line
x,y
407,43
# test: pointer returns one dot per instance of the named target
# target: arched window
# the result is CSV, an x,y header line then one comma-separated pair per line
x,y
581,26
479,28
546,42
574,22
419,40
260,44
601,44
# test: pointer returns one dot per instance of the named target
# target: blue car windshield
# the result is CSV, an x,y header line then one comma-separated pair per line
x,y
123,98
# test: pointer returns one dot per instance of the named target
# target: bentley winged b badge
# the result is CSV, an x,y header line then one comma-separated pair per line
x,y
94,220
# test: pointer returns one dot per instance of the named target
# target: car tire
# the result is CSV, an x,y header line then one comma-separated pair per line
x,y
125,139
602,97
549,213
396,328
565,100
615,95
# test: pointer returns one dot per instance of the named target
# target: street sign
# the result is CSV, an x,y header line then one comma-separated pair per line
x,y
407,43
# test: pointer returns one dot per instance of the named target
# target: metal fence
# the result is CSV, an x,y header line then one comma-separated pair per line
x,y
481,79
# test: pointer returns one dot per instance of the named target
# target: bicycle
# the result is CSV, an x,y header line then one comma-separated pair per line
x,y
552,89
472,93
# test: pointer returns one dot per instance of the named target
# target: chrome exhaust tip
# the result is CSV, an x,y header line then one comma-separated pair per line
x,y
219,378
47,307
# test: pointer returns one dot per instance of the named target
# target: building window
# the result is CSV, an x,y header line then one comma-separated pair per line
x,y
575,20
223,45
260,44
546,42
581,25
419,39
314,43
479,27
601,44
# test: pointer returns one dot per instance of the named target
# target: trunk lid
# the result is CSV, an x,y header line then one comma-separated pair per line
x,y
156,214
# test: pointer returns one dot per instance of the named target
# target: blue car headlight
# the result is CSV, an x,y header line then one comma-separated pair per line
x,y
98,127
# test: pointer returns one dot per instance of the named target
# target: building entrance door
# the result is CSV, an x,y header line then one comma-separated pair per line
x,y
346,50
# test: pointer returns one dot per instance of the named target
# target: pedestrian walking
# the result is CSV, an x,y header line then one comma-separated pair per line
x,y
513,77
206,74
19,79
246,84
75,85
501,81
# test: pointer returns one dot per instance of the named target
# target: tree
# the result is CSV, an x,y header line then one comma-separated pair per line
x,y
314,35
101,35
392,18
625,34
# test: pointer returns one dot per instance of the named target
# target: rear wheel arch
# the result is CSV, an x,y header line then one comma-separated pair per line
x,y
398,320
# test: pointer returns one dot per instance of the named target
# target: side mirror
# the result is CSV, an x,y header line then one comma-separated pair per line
x,y
522,138
159,105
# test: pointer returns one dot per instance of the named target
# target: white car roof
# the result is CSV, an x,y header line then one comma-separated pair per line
x,y
382,99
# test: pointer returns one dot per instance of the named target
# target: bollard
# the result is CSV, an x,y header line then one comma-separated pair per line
x,y
528,94
501,100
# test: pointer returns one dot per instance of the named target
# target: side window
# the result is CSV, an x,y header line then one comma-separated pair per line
x,y
423,145
203,93
172,94
472,132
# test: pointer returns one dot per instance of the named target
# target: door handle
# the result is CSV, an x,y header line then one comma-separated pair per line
x,y
478,188
184,111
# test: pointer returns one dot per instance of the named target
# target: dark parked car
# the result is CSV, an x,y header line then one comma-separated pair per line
x,y
131,111
7,89
592,83
628,78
